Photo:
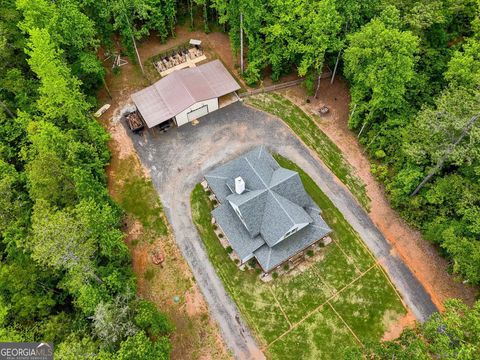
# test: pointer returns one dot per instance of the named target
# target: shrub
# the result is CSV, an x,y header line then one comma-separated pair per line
x,y
220,235
379,171
380,154
236,261
310,253
215,227
148,318
286,267
252,262
208,192
274,275
258,271
229,249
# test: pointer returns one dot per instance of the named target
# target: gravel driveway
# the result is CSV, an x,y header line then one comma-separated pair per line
x,y
177,161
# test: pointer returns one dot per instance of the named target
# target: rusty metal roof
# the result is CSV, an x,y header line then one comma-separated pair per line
x,y
181,89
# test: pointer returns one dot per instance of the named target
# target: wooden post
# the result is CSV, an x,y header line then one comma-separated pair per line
x,y
241,43
450,149
335,68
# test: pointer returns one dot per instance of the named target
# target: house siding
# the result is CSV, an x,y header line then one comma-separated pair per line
x,y
182,118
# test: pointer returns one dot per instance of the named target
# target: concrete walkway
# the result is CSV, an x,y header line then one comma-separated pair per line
x,y
178,160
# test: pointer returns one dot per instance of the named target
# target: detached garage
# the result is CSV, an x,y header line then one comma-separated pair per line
x,y
184,95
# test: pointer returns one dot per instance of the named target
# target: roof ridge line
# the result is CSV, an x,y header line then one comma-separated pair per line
x,y
154,85
188,91
270,190
293,173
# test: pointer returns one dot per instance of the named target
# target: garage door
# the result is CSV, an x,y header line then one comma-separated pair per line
x,y
195,114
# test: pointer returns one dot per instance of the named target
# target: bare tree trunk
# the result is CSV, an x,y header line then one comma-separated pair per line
x,y
241,43
335,68
353,111
440,163
361,130
7,109
318,85
106,87
133,37
138,55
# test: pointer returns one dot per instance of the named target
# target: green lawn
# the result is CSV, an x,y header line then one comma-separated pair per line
x,y
345,287
304,126
137,196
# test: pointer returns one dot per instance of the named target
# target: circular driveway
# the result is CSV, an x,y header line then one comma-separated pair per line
x,y
178,159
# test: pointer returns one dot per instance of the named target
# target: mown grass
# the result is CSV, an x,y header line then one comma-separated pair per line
x,y
136,195
304,126
308,298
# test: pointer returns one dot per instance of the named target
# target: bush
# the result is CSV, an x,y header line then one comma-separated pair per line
x,y
309,84
208,192
215,227
286,267
220,235
252,263
229,249
274,275
116,70
379,171
310,253
148,318
258,271
380,154
236,261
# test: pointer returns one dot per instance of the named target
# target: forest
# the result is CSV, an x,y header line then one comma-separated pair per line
x,y
414,73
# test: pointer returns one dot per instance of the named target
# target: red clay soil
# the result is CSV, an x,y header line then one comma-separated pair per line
x,y
420,255
196,336
395,329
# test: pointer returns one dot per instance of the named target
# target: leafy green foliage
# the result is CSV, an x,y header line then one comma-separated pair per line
x,y
379,61
451,335
415,124
65,272
150,320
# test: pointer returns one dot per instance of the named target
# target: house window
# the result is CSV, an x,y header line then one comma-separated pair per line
x,y
290,232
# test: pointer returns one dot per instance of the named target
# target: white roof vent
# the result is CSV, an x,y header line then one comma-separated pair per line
x,y
239,185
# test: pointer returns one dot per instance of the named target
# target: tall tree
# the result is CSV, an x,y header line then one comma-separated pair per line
x,y
379,62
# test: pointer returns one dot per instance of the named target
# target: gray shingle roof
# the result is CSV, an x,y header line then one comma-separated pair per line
x,y
274,202
238,237
270,257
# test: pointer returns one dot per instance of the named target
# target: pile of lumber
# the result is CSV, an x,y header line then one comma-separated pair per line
x,y
134,122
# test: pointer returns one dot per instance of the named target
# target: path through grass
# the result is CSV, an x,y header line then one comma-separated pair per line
x,y
304,126
336,303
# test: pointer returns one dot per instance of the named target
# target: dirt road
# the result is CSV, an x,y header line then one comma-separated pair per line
x,y
420,255
177,161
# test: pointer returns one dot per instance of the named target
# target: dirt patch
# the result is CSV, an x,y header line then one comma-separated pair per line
x,y
196,335
420,255
396,325
194,302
